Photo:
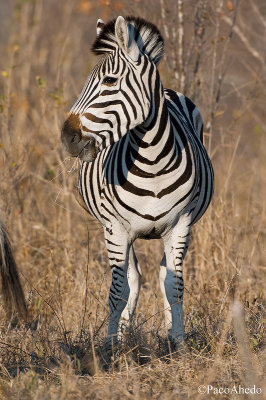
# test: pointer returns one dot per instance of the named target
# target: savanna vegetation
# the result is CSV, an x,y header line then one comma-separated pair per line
x,y
215,54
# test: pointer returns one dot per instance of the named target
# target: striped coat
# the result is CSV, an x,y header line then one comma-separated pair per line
x,y
148,181
146,173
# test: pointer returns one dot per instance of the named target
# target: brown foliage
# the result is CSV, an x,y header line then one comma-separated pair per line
x,y
222,68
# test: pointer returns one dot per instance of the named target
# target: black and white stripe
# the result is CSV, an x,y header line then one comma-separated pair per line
x,y
146,173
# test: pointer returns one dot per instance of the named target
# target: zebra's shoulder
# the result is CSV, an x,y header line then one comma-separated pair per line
x,y
184,105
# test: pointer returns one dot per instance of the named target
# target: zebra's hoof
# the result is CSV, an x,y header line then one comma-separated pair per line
x,y
111,351
175,346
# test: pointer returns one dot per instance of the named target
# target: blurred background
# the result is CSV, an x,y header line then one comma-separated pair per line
x,y
215,54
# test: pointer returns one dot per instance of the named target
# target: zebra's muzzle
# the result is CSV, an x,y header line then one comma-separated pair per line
x,y
89,151
75,144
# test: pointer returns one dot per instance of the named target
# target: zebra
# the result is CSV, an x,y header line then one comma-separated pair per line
x,y
145,172
12,292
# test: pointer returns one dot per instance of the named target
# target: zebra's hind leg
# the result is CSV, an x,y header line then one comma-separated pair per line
x,y
125,284
171,278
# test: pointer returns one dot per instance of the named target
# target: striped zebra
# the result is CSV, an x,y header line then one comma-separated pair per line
x,y
145,172
12,292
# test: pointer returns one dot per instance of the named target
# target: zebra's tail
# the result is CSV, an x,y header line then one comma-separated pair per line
x,y
12,292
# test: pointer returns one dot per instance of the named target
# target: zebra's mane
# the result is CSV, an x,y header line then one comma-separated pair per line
x,y
146,35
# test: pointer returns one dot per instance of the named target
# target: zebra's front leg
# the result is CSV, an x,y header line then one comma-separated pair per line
x,y
134,281
171,277
125,284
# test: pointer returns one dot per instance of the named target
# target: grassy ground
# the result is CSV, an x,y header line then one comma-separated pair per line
x,y
66,281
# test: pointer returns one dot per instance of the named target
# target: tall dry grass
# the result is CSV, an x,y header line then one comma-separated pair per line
x,y
60,355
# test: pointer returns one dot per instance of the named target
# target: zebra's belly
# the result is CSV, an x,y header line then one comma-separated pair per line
x,y
147,209
144,216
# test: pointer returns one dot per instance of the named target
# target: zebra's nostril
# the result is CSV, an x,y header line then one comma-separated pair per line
x,y
71,135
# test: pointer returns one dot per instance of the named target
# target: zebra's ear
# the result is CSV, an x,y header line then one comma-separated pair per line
x,y
126,39
99,26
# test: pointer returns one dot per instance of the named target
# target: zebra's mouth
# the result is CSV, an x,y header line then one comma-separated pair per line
x,y
83,147
89,150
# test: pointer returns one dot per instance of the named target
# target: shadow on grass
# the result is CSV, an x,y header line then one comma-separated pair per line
x,y
86,354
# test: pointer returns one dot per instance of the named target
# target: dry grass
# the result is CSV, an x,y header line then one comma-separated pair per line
x,y
66,285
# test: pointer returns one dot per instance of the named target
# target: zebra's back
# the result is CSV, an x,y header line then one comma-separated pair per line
x,y
188,114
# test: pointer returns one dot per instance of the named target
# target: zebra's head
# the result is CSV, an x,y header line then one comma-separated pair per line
x,y
120,89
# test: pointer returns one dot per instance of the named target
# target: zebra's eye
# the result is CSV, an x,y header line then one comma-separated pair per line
x,y
109,80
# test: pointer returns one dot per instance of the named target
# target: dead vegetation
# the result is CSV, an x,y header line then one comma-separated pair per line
x,y
60,355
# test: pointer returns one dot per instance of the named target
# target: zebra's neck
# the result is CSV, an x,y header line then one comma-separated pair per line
x,y
153,140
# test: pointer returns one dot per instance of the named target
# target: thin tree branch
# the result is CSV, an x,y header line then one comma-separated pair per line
x,y
245,41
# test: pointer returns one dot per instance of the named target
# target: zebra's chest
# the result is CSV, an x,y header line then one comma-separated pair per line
x,y
145,204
